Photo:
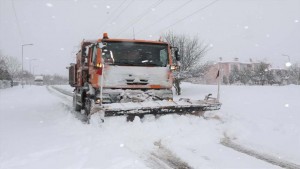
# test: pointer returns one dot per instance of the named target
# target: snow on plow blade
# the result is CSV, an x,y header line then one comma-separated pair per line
x,y
183,106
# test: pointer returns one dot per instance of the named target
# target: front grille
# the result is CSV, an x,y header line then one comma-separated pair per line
x,y
136,82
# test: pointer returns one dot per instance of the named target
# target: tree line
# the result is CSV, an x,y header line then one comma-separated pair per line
x,y
261,74
10,69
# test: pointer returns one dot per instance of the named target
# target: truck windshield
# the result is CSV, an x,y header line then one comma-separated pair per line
x,y
136,54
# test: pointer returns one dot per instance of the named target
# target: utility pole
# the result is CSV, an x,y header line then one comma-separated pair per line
x,y
30,60
22,78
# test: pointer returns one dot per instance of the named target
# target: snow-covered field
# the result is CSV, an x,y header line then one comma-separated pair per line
x,y
38,130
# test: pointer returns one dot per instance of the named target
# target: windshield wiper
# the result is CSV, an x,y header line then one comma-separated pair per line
x,y
149,63
123,64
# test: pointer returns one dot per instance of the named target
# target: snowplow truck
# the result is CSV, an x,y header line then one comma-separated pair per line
x,y
116,77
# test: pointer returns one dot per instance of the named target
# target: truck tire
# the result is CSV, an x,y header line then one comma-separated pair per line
x,y
75,105
87,106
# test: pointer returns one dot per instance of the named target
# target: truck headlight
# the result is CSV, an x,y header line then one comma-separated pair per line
x,y
173,67
98,101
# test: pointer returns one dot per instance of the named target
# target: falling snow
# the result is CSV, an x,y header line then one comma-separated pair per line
x,y
70,18
49,5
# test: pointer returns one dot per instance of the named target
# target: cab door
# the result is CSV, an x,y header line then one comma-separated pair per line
x,y
95,66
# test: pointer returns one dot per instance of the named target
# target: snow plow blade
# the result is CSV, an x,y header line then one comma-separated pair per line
x,y
183,106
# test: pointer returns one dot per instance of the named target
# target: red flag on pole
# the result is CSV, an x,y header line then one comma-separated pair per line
x,y
218,74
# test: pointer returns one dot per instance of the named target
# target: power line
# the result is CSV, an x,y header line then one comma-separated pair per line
x,y
17,20
132,22
124,9
184,18
137,19
104,25
164,17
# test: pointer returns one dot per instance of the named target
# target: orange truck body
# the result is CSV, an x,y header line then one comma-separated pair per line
x,y
105,67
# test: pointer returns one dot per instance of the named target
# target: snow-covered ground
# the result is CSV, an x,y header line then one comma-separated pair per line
x,y
38,130
263,117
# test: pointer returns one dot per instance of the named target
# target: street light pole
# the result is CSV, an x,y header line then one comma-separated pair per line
x,y
33,69
287,64
30,60
29,44
30,68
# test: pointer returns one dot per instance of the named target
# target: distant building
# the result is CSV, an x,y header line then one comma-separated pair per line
x,y
226,68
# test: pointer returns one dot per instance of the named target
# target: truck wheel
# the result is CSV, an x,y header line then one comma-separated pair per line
x,y
87,106
75,105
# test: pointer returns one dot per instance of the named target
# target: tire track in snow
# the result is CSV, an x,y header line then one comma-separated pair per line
x,y
65,96
63,91
162,158
165,159
58,93
262,156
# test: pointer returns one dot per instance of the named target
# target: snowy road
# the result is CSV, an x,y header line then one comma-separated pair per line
x,y
37,130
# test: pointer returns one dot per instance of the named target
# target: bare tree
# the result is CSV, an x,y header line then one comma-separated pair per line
x,y
191,51
245,75
14,66
234,75
11,65
4,74
294,74
261,73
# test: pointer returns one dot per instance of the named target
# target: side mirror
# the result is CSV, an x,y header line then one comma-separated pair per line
x,y
177,56
105,52
104,49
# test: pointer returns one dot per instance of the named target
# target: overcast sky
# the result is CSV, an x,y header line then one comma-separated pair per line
x,y
266,30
